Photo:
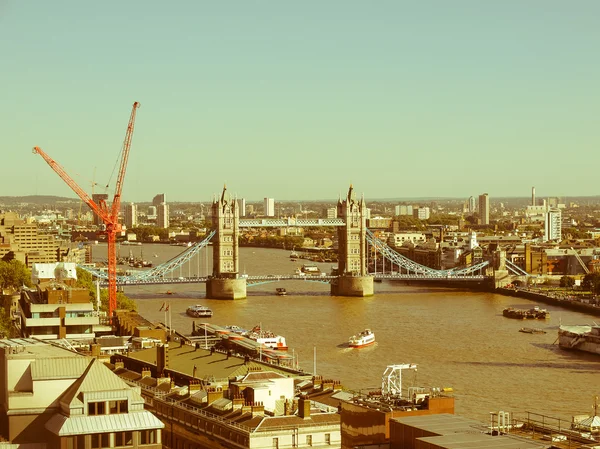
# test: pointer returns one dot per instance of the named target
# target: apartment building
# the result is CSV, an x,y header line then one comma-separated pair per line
x,y
59,399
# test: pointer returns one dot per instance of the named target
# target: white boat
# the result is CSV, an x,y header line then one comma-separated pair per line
x,y
310,269
582,338
199,311
362,339
267,338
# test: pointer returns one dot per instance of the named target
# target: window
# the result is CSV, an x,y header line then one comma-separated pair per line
x,y
327,438
96,408
123,439
148,437
275,443
100,440
115,407
309,440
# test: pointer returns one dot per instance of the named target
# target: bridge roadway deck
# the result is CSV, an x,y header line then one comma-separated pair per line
x,y
295,277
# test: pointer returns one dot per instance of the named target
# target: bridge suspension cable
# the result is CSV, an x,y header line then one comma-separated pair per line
x,y
412,267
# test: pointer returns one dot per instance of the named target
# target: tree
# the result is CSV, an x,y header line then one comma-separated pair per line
x,y
591,282
13,275
567,281
85,280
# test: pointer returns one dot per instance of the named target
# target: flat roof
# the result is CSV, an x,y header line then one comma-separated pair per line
x,y
480,441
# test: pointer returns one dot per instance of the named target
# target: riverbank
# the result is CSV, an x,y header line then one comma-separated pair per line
x,y
552,299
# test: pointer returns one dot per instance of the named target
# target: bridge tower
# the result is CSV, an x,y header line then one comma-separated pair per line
x,y
353,277
225,282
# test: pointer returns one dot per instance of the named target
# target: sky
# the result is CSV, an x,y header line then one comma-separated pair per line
x,y
298,100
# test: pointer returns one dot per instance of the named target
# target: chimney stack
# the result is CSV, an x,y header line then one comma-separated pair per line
x,y
533,196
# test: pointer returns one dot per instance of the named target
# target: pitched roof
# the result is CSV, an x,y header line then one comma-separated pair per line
x,y
76,425
58,368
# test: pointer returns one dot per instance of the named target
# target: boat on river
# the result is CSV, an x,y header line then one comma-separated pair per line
x,y
281,291
199,311
526,314
582,338
362,339
532,330
267,338
310,269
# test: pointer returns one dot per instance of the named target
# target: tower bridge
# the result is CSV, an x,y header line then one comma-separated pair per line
x,y
355,242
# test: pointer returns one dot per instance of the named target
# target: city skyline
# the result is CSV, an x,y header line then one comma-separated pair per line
x,y
290,101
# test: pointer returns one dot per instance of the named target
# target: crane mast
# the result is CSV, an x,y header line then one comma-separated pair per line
x,y
110,217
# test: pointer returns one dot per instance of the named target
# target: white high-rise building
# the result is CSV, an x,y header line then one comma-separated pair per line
x,y
484,209
553,225
131,215
332,212
242,207
423,213
403,209
269,207
472,206
162,215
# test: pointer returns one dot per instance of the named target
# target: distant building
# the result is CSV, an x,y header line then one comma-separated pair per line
x,y
403,209
484,209
162,216
158,199
151,211
269,207
471,205
422,213
553,225
97,198
331,212
242,207
131,215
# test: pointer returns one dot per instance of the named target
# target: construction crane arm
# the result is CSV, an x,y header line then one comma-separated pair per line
x,y
116,205
74,186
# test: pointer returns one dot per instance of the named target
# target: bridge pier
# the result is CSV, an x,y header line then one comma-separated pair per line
x,y
348,285
223,288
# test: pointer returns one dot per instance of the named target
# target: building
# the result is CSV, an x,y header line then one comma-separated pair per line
x,y
212,399
403,209
553,225
331,212
366,416
269,207
131,215
484,209
471,205
158,199
55,308
242,207
57,398
423,213
98,198
162,216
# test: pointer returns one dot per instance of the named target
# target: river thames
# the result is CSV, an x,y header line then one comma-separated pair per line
x,y
458,338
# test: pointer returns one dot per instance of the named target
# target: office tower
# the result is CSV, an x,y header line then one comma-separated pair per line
x,y
162,215
471,205
533,196
130,215
269,207
250,208
242,207
97,197
159,199
332,212
553,225
484,209
151,211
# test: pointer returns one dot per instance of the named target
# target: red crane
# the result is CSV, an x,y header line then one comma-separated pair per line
x,y
110,217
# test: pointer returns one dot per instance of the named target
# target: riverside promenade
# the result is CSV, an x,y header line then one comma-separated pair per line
x,y
560,298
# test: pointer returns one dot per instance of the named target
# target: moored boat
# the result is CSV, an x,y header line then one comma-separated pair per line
x,y
582,338
281,291
267,338
526,314
199,311
362,339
